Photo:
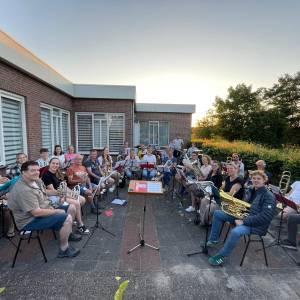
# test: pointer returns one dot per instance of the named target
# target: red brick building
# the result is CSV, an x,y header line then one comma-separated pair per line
x,y
41,108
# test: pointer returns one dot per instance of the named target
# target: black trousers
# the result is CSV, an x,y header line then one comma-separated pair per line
x,y
293,222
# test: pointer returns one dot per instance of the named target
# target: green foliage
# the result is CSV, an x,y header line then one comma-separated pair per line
x,y
277,160
269,117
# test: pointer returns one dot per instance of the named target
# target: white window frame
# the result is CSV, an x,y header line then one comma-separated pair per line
x,y
158,126
107,115
20,99
61,111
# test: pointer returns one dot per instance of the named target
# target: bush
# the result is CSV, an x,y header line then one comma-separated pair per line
x,y
287,159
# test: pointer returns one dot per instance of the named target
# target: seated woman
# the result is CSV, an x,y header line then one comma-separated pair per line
x,y
69,156
131,165
15,170
52,179
77,174
216,178
60,155
150,159
262,210
233,184
106,168
206,167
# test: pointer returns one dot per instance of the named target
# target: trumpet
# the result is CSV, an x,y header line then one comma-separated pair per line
x,y
233,206
284,182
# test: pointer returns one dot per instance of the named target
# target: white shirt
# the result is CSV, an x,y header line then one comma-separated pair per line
x,y
295,194
178,144
43,163
151,159
205,170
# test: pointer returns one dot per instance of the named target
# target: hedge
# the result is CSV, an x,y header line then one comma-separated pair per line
x,y
278,160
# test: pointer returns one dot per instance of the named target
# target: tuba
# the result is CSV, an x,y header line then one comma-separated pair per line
x,y
233,206
284,182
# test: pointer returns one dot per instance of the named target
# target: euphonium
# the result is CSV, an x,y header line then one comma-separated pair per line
x,y
233,206
284,182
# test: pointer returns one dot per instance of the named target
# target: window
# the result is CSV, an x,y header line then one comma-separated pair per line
x,y
12,127
55,124
97,130
154,132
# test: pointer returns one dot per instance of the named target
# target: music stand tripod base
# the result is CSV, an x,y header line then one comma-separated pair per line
x,y
142,242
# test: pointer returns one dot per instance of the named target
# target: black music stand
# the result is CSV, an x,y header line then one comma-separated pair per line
x,y
97,225
204,249
285,202
142,242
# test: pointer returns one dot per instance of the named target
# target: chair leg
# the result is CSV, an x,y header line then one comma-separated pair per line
x,y
221,229
245,240
17,251
40,243
29,237
246,249
229,225
54,234
264,249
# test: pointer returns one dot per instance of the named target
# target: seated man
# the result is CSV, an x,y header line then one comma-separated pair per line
x,y
169,163
93,167
15,170
294,195
30,206
263,208
192,149
43,161
291,242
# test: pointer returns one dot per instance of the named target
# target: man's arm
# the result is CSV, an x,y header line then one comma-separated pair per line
x,y
45,212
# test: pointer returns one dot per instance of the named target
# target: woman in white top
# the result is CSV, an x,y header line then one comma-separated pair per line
x,y
206,167
149,158
60,155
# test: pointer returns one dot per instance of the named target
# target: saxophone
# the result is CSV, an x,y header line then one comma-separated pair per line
x,y
64,191
234,207
107,164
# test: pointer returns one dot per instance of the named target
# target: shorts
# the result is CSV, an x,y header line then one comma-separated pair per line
x,y
54,222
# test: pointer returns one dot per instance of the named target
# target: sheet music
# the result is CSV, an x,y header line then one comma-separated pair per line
x,y
154,187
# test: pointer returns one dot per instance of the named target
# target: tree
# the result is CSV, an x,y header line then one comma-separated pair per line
x,y
235,112
206,127
285,97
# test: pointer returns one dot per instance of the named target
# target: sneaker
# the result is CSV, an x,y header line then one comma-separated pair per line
x,y
83,230
69,252
288,244
216,260
190,209
212,244
73,237
112,189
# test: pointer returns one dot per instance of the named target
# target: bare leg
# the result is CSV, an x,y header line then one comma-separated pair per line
x,y
65,232
77,210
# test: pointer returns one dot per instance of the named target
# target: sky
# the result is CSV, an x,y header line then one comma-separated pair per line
x,y
181,52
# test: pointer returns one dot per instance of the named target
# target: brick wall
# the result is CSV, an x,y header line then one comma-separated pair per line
x,y
34,92
107,106
178,122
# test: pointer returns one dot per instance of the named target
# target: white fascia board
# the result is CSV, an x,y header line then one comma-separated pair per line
x,y
167,108
45,74
104,91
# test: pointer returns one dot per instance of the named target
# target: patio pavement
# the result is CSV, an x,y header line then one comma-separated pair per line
x,y
167,274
